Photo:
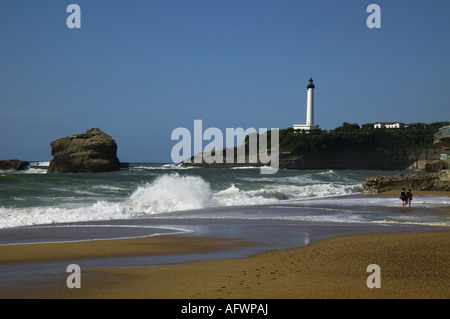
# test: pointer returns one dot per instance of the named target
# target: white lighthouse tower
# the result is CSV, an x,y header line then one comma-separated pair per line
x,y
309,110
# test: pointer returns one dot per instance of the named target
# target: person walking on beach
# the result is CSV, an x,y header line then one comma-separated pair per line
x,y
409,197
403,197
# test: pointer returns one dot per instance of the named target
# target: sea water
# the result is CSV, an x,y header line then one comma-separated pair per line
x,y
33,197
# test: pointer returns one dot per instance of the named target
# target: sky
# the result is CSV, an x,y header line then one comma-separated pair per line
x,y
140,69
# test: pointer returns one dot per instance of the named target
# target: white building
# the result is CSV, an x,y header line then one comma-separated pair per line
x,y
390,125
309,110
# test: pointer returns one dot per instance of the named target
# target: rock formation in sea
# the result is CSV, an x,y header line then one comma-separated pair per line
x,y
14,164
93,151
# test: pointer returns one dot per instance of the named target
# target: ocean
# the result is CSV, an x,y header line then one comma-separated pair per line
x,y
156,191
289,209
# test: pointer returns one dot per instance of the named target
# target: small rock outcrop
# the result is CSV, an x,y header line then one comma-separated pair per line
x,y
93,151
14,164
433,181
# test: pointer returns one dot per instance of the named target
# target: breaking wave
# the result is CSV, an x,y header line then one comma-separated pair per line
x,y
167,193
172,193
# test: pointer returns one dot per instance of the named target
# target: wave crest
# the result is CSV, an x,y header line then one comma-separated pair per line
x,y
172,193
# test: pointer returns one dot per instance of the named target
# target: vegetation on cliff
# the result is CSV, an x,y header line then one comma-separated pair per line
x,y
417,136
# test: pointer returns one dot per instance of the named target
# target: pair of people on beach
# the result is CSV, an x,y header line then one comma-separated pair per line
x,y
406,197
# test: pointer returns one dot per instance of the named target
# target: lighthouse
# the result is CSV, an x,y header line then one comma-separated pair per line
x,y
309,110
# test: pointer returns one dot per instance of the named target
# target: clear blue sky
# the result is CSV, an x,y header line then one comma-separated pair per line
x,y
139,69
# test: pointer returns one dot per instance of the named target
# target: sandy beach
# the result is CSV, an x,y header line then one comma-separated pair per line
x,y
413,259
412,265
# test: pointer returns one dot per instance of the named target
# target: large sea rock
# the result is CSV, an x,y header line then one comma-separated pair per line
x,y
93,151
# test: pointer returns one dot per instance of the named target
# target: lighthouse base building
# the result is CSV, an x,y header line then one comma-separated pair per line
x,y
305,127
309,126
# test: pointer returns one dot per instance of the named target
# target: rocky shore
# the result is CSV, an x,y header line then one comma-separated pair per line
x,y
421,181
14,164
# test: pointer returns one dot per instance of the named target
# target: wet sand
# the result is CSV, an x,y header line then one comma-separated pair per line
x,y
416,192
412,264
132,247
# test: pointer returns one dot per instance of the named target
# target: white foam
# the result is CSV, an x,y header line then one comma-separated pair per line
x,y
171,193
16,217
231,191
44,163
425,223
32,170
162,167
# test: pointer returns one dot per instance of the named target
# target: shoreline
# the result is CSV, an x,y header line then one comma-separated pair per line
x,y
163,245
415,192
445,210
413,265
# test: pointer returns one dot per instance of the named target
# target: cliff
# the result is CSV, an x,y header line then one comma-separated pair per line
x,y
93,151
356,159
338,159
351,147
